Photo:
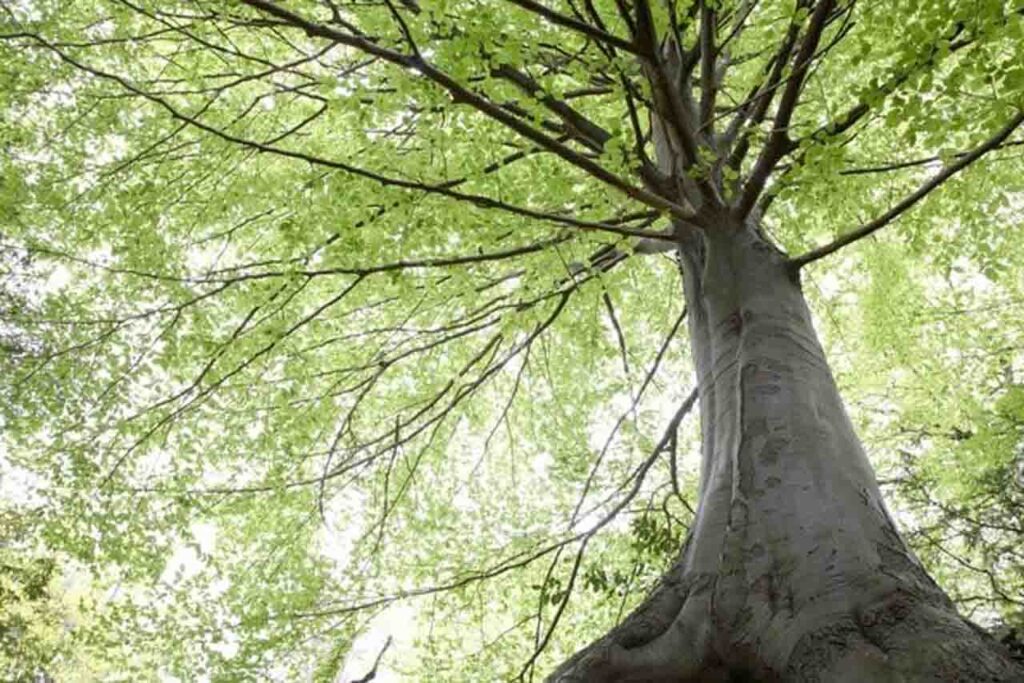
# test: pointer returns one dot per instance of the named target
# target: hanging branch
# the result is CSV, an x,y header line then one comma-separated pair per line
x,y
648,378
638,477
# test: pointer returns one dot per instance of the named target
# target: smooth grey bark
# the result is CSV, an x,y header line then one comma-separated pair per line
x,y
793,569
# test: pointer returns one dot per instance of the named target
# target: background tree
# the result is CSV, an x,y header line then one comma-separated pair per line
x,y
333,306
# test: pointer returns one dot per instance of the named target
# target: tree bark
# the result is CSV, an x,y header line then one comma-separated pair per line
x,y
793,569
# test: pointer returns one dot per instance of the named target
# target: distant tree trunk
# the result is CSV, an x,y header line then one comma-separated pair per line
x,y
793,569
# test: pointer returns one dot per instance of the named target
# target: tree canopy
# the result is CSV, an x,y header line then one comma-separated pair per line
x,y
325,319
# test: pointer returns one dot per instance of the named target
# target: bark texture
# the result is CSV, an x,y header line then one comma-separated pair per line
x,y
794,569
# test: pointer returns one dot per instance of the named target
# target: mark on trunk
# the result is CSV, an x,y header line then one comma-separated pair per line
x,y
773,448
758,427
893,610
734,322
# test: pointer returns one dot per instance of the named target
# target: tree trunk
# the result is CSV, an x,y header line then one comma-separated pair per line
x,y
793,569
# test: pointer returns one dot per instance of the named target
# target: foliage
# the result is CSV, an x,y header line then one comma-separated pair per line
x,y
30,622
313,331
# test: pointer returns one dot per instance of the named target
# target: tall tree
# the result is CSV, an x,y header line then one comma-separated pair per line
x,y
296,271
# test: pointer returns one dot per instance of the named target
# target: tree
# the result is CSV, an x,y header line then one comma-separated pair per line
x,y
28,617
300,269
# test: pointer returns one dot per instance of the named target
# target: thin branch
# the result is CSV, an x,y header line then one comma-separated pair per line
x,y
857,112
241,275
461,93
752,112
372,673
648,378
923,161
738,24
581,128
619,336
199,394
777,145
671,101
638,477
625,13
444,189
708,54
403,27
912,199
586,29
562,604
